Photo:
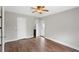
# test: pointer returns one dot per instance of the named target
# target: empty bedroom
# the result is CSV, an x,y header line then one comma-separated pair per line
x,y
41,28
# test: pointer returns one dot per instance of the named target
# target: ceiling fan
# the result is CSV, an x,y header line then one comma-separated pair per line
x,y
39,9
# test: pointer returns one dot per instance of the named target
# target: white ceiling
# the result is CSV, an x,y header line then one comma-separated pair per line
x,y
27,10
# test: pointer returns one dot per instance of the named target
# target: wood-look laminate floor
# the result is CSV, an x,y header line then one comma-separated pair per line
x,y
0,48
38,44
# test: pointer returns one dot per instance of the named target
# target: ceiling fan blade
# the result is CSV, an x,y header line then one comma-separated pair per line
x,y
43,6
33,11
32,8
46,10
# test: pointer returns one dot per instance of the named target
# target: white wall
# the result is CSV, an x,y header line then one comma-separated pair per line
x,y
0,10
10,26
63,27
0,25
18,26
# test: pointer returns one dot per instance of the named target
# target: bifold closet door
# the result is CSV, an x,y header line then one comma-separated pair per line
x,y
21,27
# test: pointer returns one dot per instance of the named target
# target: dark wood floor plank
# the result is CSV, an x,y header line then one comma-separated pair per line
x,y
0,48
35,45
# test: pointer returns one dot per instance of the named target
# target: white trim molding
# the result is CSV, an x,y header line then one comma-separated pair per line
x,y
65,44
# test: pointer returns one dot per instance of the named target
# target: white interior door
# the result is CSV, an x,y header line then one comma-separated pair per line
x,y
40,27
37,27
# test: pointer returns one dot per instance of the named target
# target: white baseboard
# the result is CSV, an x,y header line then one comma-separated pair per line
x,y
62,43
16,39
10,40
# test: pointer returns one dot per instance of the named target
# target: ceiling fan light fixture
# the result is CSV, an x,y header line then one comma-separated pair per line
x,y
40,9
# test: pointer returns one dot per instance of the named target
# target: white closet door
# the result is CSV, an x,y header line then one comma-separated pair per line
x,y
21,27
